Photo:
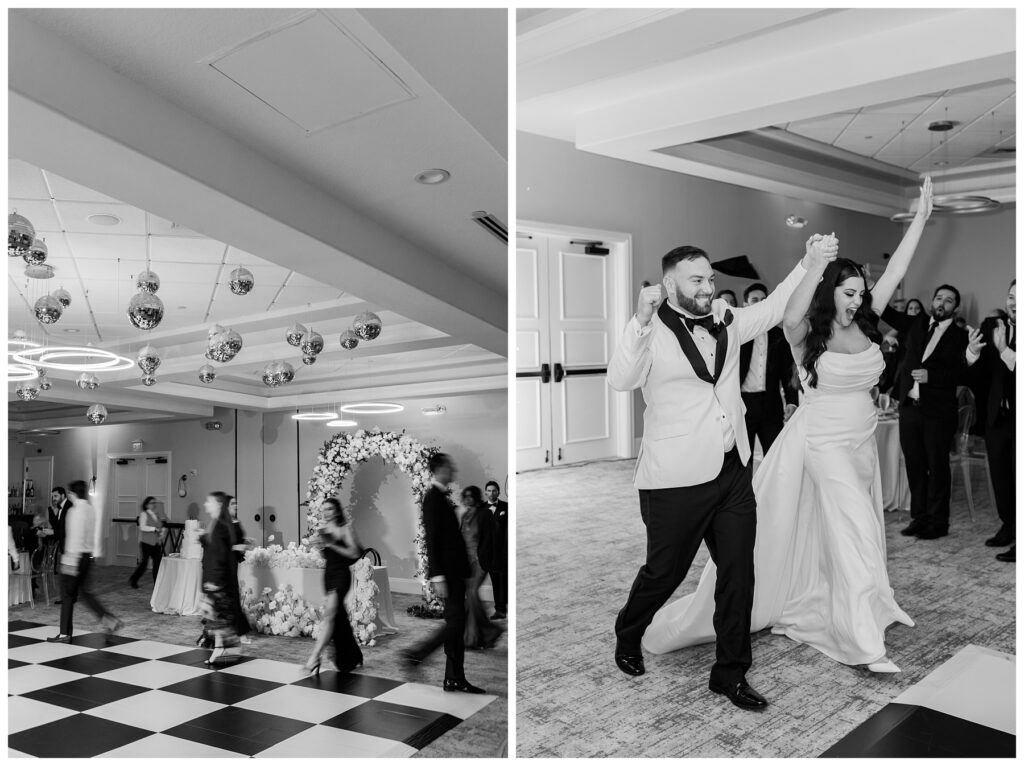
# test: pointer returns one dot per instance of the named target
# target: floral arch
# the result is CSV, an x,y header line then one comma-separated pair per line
x,y
344,450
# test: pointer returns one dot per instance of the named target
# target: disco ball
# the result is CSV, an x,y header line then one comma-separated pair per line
x,y
145,311
45,384
215,330
349,340
233,341
148,380
294,334
48,309
37,253
209,354
148,282
207,373
63,296
20,235
277,373
367,325
87,381
148,360
96,414
308,358
312,343
241,281
27,391
218,351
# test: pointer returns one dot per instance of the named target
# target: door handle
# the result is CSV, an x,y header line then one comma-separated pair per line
x,y
559,453
256,517
545,372
273,518
547,456
559,372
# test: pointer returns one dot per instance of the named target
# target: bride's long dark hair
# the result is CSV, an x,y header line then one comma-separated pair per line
x,y
823,310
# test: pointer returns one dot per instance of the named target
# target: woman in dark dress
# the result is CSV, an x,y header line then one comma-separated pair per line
x,y
477,528
220,576
340,550
242,627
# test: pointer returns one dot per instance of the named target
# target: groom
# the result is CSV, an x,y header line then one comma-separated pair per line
x,y
693,472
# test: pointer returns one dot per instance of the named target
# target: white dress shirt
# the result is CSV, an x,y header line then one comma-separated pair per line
x,y
940,329
754,383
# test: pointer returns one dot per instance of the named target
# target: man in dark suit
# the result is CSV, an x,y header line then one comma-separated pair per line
x,y
933,364
58,511
447,567
992,357
766,370
497,566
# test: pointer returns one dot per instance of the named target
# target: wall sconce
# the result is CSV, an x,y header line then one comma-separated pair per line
x,y
92,486
137,445
183,485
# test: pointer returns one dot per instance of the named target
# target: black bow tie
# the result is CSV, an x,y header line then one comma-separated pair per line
x,y
707,322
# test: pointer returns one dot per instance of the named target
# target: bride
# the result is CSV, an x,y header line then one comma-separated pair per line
x,y
819,558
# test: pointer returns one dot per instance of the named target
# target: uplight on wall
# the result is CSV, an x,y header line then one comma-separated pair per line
x,y
92,486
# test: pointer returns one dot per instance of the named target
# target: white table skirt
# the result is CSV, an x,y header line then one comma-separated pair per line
x,y
895,486
19,589
179,586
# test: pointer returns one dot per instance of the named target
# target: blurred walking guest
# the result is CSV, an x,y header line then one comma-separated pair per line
x,y
76,565
448,569
220,576
728,296
992,356
242,543
496,562
477,527
151,522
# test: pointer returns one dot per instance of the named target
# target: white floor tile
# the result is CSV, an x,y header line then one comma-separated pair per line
x,y
320,740
24,713
302,703
435,698
46,652
12,753
269,670
153,674
46,631
151,650
165,746
30,678
975,684
155,710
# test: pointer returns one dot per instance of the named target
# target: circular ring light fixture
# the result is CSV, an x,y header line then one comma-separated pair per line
x,y
372,408
314,416
17,345
18,372
342,423
44,356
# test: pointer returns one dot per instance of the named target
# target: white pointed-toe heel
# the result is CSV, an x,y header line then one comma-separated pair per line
x,y
884,665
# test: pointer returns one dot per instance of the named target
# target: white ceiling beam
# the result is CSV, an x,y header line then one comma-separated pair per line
x,y
79,421
81,120
63,393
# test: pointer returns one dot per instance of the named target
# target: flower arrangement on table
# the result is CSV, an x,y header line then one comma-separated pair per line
x,y
364,603
292,557
284,613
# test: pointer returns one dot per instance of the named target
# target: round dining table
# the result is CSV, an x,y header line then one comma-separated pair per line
x,y
179,586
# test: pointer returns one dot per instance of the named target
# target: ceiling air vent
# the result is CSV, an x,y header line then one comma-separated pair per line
x,y
492,224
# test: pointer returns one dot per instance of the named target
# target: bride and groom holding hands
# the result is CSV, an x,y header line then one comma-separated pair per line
x,y
815,570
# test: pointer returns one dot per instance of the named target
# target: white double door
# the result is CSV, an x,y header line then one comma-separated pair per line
x,y
135,479
565,412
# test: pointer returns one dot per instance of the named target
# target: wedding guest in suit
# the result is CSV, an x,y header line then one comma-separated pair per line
x,y
448,568
59,506
477,528
220,577
729,297
151,522
76,565
340,550
766,376
926,382
693,474
496,561
992,357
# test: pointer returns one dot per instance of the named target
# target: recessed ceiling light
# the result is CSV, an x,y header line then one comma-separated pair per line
x,y
868,138
433,176
941,163
796,221
72,330
103,219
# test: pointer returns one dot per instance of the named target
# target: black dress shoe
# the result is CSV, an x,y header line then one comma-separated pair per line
x,y
741,695
913,528
1010,555
59,639
462,686
1001,539
631,664
932,533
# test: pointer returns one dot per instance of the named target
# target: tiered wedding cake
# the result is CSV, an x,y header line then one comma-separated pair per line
x,y
190,547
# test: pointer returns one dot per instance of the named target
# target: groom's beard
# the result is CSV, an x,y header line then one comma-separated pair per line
x,y
698,305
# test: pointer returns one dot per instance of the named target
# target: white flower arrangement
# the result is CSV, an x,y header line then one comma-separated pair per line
x,y
362,610
283,613
292,557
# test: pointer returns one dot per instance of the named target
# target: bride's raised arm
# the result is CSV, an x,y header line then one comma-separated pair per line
x,y
900,261
820,250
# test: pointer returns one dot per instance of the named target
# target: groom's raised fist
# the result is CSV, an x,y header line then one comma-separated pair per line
x,y
650,297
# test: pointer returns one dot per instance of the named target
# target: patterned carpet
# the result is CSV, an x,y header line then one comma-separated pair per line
x,y
580,542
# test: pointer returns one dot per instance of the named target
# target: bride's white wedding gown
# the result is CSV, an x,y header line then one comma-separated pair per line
x,y
819,557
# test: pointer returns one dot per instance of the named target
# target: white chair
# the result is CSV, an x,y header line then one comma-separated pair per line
x,y
969,451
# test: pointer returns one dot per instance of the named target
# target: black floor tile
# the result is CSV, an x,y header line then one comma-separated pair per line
x,y
78,736
14,625
350,683
241,731
398,722
101,640
94,663
85,693
198,657
16,663
910,731
13,642
225,688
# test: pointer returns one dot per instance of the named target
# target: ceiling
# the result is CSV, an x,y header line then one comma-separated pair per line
x,y
194,138
828,105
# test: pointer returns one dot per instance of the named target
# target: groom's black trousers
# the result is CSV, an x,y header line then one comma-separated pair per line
x,y
722,513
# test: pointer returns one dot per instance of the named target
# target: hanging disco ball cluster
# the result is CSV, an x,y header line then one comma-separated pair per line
x,y
222,345
96,414
277,373
27,390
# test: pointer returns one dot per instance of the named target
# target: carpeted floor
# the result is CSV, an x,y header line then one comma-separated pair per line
x,y
483,735
580,541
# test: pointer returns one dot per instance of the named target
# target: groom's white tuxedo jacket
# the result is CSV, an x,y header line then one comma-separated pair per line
x,y
683,443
